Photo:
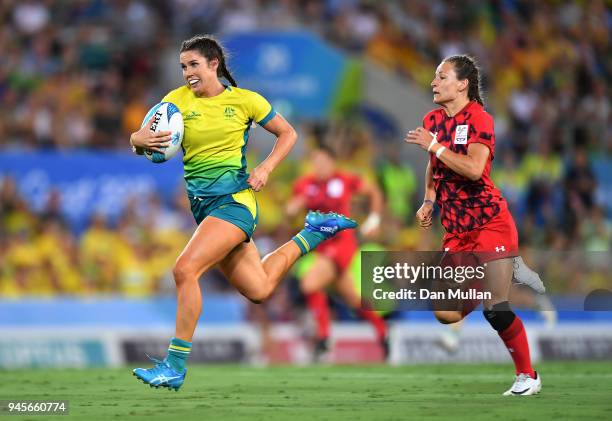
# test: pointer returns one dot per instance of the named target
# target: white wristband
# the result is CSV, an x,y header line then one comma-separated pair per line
x,y
433,142
440,150
371,222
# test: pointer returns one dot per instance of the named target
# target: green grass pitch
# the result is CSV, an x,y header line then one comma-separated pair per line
x,y
577,390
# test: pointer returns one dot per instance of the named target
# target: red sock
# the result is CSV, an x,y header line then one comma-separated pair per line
x,y
515,339
317,303
375,320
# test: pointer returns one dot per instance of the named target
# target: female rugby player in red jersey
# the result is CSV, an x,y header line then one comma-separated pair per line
x,y
331,190
460,139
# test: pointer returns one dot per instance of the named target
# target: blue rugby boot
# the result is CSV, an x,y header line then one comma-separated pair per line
x,y
319,227
161,375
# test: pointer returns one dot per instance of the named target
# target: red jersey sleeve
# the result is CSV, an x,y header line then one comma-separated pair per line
x,y
354,182
482,131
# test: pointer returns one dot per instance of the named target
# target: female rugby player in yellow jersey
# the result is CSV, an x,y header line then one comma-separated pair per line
x,y
217,120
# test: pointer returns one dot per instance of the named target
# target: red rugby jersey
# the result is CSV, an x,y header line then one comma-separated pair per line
x,y
331,195
464,204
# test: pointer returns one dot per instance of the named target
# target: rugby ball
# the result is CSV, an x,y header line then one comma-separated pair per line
x,y
166,117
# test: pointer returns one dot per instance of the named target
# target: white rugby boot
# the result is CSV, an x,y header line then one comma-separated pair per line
x,y
525,385
523,274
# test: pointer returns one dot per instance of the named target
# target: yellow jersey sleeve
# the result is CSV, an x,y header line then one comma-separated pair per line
x,y
260,109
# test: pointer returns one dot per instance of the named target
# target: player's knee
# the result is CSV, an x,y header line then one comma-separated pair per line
x,y
259,295
499,316
306,287
182,273
448,317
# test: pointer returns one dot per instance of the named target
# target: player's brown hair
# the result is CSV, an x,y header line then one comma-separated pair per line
x,y
467,68
210,48
327,149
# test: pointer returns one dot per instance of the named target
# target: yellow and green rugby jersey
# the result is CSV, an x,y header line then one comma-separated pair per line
x,y
216,136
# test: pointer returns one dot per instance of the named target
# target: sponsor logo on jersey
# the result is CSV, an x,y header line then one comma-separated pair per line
x,y
335,188
190,115
461,134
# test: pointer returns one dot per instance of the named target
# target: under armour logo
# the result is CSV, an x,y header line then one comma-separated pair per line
x,y
500,248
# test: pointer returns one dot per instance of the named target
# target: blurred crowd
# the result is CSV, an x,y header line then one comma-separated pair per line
x,y
133,255
81,75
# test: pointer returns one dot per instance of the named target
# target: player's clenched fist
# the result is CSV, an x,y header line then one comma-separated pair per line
x,y
258,177
424,215
421,137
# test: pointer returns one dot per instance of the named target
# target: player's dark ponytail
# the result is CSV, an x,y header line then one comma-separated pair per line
x,y
225,72
210,48
467,68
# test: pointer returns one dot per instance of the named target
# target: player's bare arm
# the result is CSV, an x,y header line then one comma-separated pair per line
x,y
424,214
295,205
470,166
285,139
370,226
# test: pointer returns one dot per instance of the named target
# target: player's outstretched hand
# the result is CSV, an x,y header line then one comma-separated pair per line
x,y
258,178
147,139
424,215
419,136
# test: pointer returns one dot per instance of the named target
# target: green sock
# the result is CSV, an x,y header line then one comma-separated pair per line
x,y
178,351
307,240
